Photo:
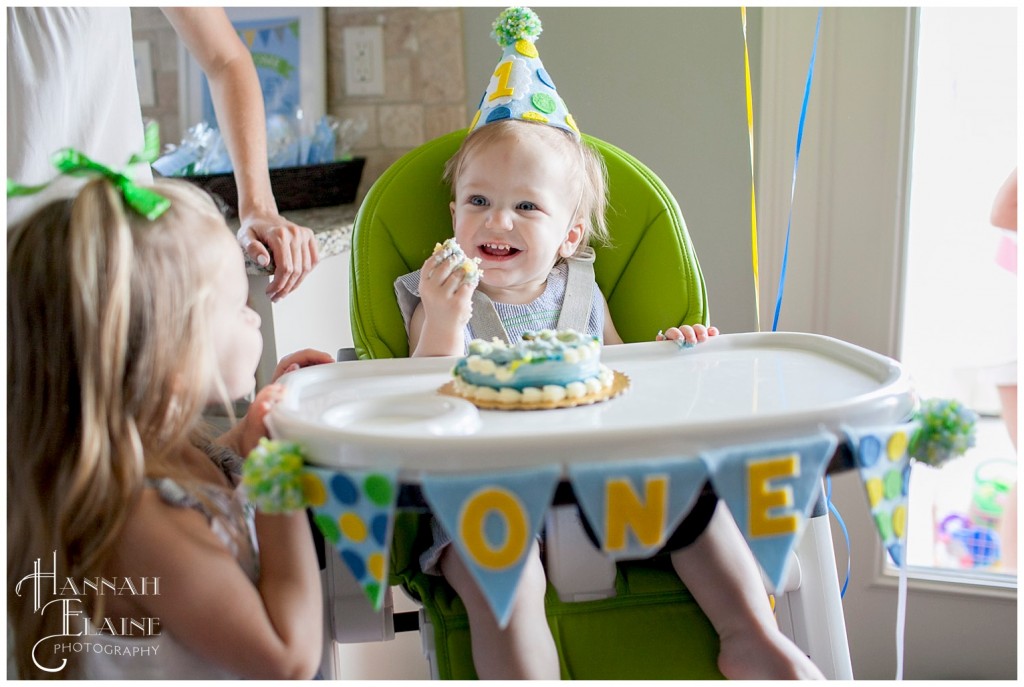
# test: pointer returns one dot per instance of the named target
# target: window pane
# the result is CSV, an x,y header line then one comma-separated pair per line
x,y
960,308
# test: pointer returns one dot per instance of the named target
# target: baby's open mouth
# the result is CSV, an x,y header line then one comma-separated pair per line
x,y
497,250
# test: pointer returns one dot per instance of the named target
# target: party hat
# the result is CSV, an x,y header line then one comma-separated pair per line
x,y
520,87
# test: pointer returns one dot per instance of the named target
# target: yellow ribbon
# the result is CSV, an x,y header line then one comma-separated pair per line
x,y
753,203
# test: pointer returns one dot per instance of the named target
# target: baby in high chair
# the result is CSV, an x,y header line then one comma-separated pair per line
x,y
126,316
529,195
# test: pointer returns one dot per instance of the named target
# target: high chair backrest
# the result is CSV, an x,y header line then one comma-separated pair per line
x,y
649,275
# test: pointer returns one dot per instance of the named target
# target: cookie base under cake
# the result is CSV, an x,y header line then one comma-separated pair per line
x,y
547,369
556,398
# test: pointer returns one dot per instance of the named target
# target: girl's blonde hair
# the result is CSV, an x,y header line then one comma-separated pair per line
x,y
109,368
588,169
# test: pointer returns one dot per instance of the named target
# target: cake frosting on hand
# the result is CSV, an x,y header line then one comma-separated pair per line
x,y
546,369
451,250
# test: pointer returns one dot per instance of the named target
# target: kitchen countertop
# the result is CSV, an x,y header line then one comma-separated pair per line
x,y
332,227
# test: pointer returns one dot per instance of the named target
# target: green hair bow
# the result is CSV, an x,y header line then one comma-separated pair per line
x,y
71,162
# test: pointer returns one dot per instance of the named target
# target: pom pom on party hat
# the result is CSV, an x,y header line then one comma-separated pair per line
x,y
520,87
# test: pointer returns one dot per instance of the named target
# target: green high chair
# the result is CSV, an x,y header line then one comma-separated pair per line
x,y
650,627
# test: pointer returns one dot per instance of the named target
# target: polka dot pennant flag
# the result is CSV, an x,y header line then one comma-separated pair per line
x,y
355,511
882,455
770,490
634,506
493,520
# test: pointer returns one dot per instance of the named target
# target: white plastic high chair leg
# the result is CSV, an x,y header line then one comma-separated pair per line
x,y
810,609
351,616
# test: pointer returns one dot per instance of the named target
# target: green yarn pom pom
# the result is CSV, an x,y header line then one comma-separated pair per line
x,y
514,24
947,431
272,477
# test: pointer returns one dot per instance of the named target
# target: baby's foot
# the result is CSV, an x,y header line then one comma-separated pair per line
x,y
753,656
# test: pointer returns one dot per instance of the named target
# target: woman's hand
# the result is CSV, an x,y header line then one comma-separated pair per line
x,y
689,335
293,247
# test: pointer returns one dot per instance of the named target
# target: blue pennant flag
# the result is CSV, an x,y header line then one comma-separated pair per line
x,y
493,520
770,490
883,460
634,506
355,511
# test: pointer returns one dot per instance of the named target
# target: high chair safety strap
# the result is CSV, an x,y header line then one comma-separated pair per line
x,y
485,321
576,304
579,291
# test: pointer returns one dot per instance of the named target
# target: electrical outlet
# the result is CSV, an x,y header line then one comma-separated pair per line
x,y
364,60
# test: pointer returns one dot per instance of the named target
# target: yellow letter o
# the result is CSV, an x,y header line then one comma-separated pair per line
x,y
472,522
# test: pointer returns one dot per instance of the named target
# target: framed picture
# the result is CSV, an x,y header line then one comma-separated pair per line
x,y
287,46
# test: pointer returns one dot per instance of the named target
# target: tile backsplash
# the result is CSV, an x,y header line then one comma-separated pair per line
x,y
424,92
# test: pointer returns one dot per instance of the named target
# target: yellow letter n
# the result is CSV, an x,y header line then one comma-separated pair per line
x,y
624,508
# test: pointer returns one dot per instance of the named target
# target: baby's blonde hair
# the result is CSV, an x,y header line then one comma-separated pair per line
x,y
588,169
109,363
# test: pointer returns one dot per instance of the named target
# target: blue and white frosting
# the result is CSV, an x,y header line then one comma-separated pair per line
x,y
545,366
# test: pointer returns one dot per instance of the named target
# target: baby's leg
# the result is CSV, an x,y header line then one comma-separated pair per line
x,y
524,650
723,577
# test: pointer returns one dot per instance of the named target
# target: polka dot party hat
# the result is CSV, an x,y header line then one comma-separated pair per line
x,y
520,87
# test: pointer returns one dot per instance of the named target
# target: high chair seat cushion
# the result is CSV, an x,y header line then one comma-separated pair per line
x,y
652,629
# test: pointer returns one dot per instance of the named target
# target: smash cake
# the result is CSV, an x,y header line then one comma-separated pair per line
x,y
451,250
546,369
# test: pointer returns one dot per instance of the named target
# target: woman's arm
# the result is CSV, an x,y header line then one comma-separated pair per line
x,y
238,101
1004,207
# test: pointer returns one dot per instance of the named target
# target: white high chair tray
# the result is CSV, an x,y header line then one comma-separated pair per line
x,y
732,389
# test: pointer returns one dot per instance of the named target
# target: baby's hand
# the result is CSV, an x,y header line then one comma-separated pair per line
x,y
252,427
303,358
446,294
687,336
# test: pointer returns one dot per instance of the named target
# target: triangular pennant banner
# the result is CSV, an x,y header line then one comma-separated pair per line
x,y
634,506
493,520
882,455
770,489
355,511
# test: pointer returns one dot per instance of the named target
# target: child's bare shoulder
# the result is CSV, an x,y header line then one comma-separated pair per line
x,y
159,530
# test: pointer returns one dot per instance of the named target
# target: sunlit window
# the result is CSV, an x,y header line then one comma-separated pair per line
x,y
960,310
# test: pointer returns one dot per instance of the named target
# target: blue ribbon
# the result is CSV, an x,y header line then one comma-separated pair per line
x,y
796,163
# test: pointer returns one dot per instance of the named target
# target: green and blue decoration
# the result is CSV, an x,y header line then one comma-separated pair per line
x,y
770,490
882,455
354,509
941,430
520,87
947,431
633,506
493,520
